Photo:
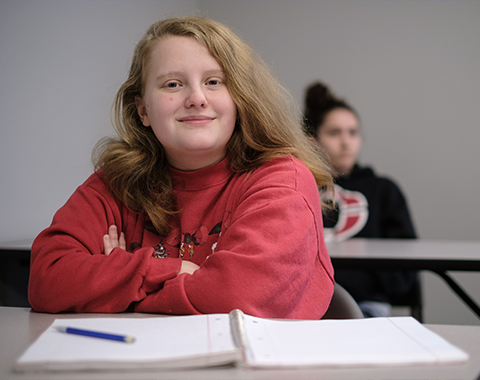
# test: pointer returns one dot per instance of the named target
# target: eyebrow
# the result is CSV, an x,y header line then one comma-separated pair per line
x,y
180,73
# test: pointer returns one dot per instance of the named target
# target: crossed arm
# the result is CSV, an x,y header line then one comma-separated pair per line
x,y
112,240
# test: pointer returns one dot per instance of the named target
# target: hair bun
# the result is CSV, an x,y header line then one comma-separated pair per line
x,y
319,101
319,96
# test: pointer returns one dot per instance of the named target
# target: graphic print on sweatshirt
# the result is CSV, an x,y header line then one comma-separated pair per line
x,y
195,245
352,207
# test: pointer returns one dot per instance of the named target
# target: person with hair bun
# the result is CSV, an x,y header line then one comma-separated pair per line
x,y
206,201
367,205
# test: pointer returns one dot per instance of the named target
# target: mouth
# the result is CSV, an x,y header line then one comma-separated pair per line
x,y
196,120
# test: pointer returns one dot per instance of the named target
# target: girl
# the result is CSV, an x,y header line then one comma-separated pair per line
x,y
205,203
369,206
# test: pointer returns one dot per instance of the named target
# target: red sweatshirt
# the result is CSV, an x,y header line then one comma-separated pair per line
x,y
258,239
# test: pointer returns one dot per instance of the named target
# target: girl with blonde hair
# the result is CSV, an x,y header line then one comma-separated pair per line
x,y
206,202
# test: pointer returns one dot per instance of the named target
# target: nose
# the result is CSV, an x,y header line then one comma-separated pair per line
x,y
345,140
345,137
196,98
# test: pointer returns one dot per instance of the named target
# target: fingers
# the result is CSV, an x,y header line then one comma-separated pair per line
x,y
122,242
112,240
113,233
107,245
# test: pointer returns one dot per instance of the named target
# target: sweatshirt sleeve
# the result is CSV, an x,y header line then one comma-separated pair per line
x,y
271,261
70,273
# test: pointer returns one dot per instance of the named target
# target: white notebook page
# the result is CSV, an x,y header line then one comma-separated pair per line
x,y
156,339
354,342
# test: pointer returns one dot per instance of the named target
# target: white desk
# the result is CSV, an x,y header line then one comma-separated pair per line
x,y
24,245
438,256
19,327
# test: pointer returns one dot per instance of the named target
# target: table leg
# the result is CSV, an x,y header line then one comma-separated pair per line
x,y
460,292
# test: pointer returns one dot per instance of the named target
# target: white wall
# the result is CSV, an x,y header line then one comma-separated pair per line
x,y
411,68
412,71
61,63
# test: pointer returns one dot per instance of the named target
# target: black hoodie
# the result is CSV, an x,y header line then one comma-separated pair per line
x,y
388,217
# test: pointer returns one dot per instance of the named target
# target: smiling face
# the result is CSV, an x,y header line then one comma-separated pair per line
x,y
340,136
187,104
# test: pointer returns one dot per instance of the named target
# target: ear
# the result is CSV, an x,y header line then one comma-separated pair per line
x,y
142,111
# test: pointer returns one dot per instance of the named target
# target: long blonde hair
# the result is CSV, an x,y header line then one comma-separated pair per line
x,y
268,122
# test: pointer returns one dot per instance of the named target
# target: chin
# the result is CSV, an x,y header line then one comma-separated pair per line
x,y
343,170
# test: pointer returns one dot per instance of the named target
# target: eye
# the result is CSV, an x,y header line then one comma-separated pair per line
x,y
213,82
172,85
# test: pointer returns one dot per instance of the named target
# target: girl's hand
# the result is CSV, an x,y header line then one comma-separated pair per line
x,y
112,240
188,267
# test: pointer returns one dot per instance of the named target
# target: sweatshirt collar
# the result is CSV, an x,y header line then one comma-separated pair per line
x,y
202,178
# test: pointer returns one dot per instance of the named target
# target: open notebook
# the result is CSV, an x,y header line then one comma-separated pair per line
x,y
215,339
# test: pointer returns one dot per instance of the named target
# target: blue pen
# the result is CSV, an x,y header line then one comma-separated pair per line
x,y
96,334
